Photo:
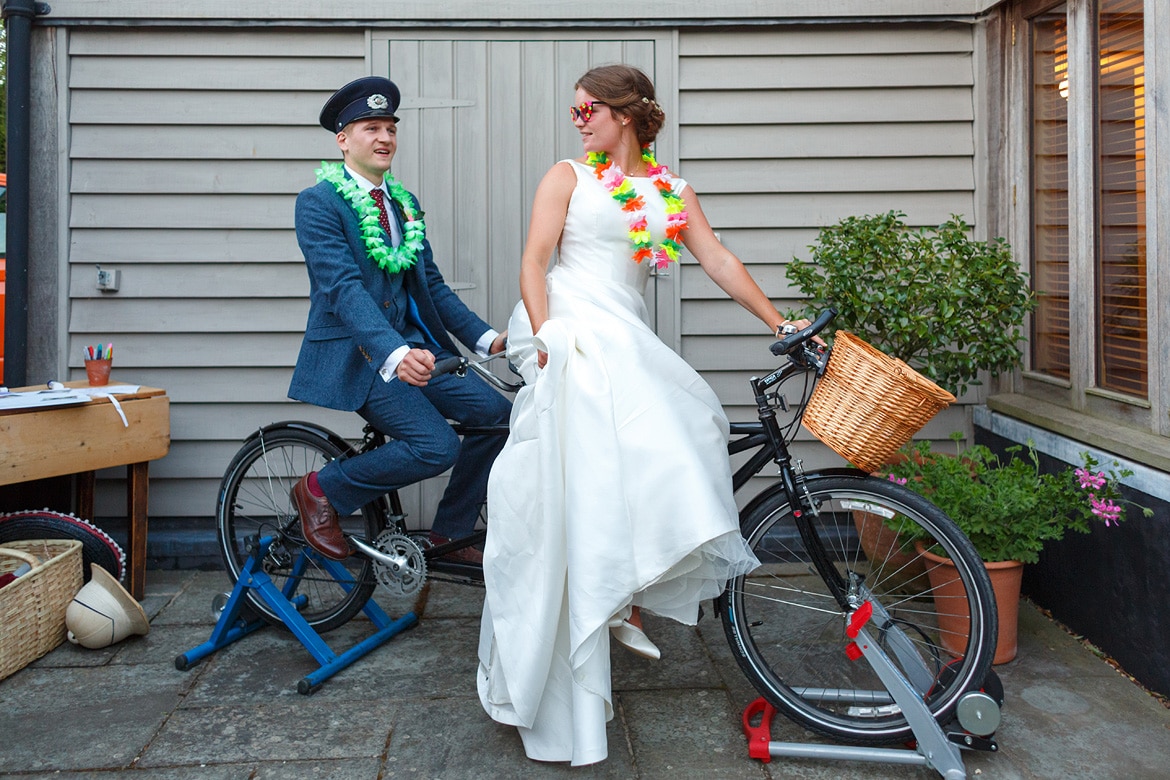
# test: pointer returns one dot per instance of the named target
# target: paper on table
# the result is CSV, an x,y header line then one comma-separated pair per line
x,y
104,390
36,399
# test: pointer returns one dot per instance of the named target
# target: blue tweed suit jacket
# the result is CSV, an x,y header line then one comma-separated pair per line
x,y
357,311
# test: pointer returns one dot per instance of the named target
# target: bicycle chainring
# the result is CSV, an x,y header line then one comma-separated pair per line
x,y
410,574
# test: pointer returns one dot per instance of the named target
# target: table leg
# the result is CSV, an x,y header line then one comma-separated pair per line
x,y
136,501
85,492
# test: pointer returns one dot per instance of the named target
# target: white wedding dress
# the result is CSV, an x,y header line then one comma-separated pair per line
x,y
614,489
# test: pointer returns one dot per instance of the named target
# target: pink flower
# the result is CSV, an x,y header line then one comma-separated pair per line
x,y
1105,509
1090,480
613,178
897,480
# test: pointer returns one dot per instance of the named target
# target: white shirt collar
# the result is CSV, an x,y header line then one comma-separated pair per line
x,y
363,182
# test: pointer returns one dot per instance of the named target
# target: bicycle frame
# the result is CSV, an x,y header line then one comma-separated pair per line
x,y
772,446
764,436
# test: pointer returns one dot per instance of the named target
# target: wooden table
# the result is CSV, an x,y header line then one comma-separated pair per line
x,y
80,439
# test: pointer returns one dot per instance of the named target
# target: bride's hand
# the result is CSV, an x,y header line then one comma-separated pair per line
x,y
541,358
801,324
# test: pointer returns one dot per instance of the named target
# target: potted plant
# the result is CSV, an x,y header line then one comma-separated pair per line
x,y
1009,508
947,305
944,303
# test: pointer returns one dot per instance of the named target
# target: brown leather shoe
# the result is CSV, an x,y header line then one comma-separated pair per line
x,y
319,522
465,555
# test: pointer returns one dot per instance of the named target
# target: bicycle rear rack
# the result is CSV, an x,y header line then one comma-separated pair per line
x,y
934,748
231,627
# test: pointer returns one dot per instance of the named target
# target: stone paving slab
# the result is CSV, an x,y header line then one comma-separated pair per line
x,y
409,709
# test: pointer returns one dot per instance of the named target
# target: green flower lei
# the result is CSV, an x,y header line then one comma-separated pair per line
x,y
391,259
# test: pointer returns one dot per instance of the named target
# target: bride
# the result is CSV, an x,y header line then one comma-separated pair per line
x,y
613,493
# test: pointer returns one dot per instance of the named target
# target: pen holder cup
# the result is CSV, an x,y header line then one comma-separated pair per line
x,y
98,372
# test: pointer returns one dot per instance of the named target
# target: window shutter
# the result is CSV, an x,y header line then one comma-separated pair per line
x,y
1050,339
1121,164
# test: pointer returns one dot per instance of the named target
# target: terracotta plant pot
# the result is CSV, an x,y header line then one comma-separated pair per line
x,y
955,624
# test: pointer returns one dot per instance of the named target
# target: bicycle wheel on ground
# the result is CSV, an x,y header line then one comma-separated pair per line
x,y
787,628
96,545
255,500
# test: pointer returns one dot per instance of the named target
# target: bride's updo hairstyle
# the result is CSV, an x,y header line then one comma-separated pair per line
x,y
629,92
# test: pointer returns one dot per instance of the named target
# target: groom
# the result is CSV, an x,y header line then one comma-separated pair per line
x,y
380,314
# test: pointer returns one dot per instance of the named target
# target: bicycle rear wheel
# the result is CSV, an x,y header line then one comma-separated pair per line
x,y
787,628
254,500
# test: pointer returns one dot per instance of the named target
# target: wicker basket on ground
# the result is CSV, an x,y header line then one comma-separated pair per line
x,y
32,607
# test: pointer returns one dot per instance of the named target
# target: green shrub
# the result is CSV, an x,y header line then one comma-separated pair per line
x,y
946,304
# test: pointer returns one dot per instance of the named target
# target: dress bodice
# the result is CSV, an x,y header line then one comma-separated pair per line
x,y
596,238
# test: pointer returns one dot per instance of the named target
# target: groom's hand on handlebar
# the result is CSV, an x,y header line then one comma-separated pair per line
x,y
499,343
415,369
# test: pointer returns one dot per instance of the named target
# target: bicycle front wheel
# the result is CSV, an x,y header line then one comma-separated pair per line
x,y
255,501
787,626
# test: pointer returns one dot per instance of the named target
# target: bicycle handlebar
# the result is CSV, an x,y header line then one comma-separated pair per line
x,y
459,366
451,365
785,346
792,341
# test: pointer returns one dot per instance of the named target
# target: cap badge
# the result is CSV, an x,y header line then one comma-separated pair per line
x,y
378,102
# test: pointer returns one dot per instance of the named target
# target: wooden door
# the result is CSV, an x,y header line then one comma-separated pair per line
x,y
483,117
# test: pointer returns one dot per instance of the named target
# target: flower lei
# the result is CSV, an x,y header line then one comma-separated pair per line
x,y
391,259
614,180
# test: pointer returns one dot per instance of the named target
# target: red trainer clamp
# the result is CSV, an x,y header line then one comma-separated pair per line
x,y
759,737
859,619
856,621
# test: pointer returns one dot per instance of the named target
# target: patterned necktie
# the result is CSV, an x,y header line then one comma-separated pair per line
x,y
412,315
379,196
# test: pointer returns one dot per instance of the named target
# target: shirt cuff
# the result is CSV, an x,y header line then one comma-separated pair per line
x,y
484,345
389,369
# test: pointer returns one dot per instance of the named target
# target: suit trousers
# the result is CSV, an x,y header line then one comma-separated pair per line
x,y
421,445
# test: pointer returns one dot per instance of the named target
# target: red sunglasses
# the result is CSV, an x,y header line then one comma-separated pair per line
x,y
584,112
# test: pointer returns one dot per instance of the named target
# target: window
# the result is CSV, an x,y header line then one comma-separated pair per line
x,y
1121,199
1050,338
1119,362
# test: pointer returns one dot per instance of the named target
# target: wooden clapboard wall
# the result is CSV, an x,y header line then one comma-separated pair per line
x,y
186,149
786,130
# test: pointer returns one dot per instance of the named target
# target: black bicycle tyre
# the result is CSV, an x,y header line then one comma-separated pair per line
x,y
96,545
254,501
787,632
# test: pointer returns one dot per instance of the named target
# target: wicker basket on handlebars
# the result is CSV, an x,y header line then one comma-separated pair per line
x,y
869,404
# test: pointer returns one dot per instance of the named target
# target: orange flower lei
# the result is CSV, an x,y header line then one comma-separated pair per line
x,y
614,180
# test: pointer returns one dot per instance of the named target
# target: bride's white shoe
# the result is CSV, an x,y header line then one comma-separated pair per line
x,y
632,637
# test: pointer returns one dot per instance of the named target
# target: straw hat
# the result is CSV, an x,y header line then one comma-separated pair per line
x,y
103,613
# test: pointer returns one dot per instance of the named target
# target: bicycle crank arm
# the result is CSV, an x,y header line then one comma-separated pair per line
x,y
395,563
